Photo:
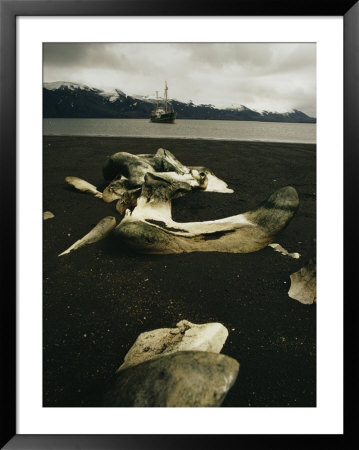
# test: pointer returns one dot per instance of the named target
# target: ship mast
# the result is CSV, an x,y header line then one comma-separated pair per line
x,y
156,100
166,89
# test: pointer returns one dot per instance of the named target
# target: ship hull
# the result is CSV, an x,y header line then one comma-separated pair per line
x,y
164,118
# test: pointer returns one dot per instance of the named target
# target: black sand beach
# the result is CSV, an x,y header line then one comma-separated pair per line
x,y
98,299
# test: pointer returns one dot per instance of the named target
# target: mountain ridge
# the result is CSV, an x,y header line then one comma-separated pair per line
x,y
63,99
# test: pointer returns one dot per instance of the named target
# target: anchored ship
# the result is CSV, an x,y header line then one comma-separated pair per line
x,y
164,113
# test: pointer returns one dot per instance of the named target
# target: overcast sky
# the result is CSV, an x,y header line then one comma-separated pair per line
x,y
273,77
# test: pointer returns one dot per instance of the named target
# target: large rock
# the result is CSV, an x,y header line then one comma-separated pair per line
x,y
182,379
209,337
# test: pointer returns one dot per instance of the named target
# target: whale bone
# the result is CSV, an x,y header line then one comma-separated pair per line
x,y
303,285
181,379
101,230
283,251
151,229
83,186
186,336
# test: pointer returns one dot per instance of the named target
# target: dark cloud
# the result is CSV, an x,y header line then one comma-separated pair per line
x,y
227,55
271,76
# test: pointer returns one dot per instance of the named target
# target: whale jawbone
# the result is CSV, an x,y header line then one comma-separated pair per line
x,y
274,213
244,233
144,237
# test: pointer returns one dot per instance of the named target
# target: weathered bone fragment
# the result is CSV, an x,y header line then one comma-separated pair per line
x,y
132,169
120,190
128,200
116,189
208,337
303,283
156,196
283,251
135,167
83,186
213,183
100,231
150,228
165,161
181,379
128,173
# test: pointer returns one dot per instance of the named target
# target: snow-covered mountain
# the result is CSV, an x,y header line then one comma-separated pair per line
x,y
111,94
62,85
66,99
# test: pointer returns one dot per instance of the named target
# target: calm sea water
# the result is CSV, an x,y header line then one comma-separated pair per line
x,y
186,129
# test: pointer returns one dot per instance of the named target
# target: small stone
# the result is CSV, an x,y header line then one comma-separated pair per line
x,y
48,215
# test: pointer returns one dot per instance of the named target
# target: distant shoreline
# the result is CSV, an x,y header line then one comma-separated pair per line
x,y
177,138
184,118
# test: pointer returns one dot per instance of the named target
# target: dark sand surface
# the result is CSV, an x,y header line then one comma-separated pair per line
x,y
98,299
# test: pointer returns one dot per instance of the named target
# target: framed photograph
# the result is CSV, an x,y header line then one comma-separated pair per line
x,y
170,177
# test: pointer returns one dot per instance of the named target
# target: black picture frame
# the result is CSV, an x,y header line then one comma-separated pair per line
x,y
9,10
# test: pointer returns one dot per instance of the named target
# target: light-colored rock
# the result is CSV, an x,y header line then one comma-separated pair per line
x,y
208,337
48,215
182,379
303,284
